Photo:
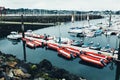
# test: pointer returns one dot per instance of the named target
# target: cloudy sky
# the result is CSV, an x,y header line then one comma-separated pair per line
x,y
85,5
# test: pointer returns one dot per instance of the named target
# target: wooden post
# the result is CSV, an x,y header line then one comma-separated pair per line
x,y
22,27
117,77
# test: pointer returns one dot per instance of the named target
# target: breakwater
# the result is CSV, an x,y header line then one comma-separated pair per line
x,y
13,23
48,18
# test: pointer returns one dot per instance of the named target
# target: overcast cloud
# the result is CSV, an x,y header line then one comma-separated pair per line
x,y
63,4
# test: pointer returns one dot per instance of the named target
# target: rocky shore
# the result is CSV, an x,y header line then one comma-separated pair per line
x,y
12,68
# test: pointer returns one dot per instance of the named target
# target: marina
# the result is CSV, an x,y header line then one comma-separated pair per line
x,y
76,64
59,40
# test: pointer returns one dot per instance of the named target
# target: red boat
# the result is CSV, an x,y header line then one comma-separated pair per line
x,y
93,60
64,52
100,56
74,51
32,44
37,36
25,39
52,46
38,42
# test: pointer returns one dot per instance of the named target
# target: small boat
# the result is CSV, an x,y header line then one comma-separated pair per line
x,y
98,32
101,56
25,39
38,42
65,53
96,46
32,44
37,36
28,33
74,51
14,35
93,60
53,46
106,48
64,40
77,32
87,44
77,43
89,33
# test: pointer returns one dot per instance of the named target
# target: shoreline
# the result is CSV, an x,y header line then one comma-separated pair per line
x,y
13,68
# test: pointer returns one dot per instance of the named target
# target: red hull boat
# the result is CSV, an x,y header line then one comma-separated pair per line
x,y
52,46
93,60
74,51
65,53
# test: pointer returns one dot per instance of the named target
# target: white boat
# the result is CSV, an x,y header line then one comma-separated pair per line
x,y
14,35
29,33
64,40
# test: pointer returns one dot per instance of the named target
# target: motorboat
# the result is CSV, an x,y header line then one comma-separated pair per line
x,y
106,48
96,46
78,32
98,32
33,43
93,60
87,44
65,53
77,43
53,46
14,35
73,51
63,40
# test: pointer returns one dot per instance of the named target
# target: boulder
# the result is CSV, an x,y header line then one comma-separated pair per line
x,y
45,65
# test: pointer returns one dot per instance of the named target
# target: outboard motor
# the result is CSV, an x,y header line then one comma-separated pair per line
x,y
102,61
72,56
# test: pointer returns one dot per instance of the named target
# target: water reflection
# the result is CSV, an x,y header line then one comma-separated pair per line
x,y
14,42
118,71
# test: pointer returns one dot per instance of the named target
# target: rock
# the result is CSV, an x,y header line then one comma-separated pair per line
x,y
45,65
2,78
11,64
18,72
15,69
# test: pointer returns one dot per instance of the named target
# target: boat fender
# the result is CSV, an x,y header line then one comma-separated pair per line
x,y
102,61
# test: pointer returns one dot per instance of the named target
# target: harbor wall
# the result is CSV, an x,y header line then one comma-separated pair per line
x,y
8,23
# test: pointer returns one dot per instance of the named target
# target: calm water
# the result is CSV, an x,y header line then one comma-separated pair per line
x,y
38,54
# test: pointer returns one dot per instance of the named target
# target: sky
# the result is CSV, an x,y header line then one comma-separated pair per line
x,y
81,5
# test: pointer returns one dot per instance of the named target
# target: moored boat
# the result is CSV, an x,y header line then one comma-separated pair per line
x,y
96,46
65,53
100,56
93,60
52,46
14,35
74,51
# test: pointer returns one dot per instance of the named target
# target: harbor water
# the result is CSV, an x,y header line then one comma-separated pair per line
x,y
74,66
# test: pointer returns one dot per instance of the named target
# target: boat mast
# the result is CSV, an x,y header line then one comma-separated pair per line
x,y
88,19
110,20
73,17
59,27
